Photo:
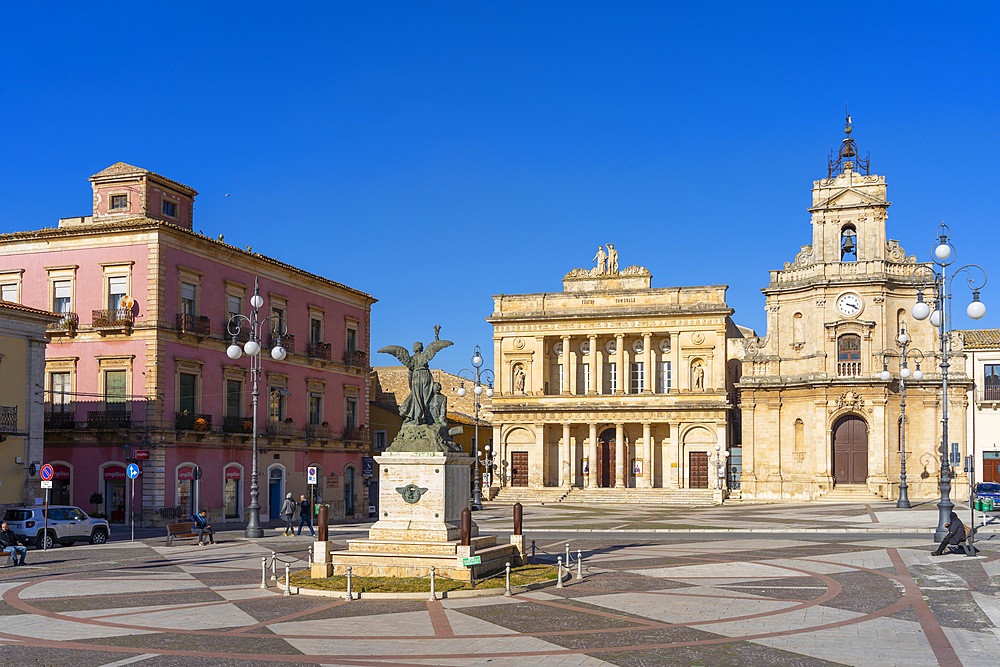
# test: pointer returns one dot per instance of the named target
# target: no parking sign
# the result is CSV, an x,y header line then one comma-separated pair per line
x,y
311,474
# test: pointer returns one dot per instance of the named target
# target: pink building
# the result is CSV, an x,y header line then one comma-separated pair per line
x,y
136,369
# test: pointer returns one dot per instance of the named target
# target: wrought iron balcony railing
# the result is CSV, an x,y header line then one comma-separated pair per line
x,y
356,433
8,419
66,325
190,421
358,358
283,429
237,425
114,418
199,325
319,432
319,351
61,414
113,318
287,342
62,418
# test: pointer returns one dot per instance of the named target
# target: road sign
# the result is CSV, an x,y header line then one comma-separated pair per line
x,y
132,471
474,560
140,454
311,474
46,483
47,473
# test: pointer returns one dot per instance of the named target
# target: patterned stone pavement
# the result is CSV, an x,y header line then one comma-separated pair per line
x,y
866,593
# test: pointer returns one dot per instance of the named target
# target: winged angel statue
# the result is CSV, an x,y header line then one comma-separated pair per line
x,y
419,407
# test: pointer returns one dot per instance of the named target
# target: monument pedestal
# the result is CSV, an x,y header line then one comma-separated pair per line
x,y
421,498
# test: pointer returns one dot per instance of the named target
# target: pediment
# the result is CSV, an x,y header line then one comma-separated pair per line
x,y
849,197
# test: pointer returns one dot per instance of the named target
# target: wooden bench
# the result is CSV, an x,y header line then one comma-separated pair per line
x,y
179,531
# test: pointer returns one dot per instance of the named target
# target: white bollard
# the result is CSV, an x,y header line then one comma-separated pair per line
x,y
274,566
559,583
433,595
506,590
309,555
350,595
263,571
567,562
579,565
288,585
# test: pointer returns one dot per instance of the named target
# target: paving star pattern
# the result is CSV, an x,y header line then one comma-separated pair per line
x,y
678,598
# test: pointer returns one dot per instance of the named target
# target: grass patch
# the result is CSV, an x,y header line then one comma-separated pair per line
x,y
519,576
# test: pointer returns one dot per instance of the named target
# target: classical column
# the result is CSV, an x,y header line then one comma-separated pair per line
x,y
647,353
620,362
599,362
592,453
536,472
620,454
537,387
647,457
565,464
592,389
566,366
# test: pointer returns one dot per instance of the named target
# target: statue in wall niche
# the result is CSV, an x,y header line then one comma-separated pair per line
x,y
699,377
602,261
612,259
518,379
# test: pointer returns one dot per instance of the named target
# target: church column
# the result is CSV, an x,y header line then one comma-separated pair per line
x,y
565,463
537,387
620,454
646,480
566,365
592,454
620,362
594,377
647,353
537,468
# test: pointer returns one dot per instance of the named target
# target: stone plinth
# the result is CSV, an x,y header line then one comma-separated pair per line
x,y
421,496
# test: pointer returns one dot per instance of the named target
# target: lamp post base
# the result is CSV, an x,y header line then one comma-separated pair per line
x,y
903,502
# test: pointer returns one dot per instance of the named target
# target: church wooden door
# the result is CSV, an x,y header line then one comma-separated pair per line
x,y
606,459
850,451
698,470
519,468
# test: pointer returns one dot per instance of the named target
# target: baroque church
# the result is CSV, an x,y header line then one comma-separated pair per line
x,y
816,414
612,384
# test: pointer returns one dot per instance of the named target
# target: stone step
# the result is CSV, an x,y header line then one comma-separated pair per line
x,y
685,497
389,547
851,493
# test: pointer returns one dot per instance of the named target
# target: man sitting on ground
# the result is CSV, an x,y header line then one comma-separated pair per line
x,y
10,544
955,536
203,527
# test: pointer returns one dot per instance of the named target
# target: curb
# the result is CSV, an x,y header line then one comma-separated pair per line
x,y
441,595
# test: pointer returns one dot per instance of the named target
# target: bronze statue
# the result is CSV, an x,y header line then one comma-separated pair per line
x,y
416,409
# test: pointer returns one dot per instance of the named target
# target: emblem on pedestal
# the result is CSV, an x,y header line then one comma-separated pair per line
x,y
411,492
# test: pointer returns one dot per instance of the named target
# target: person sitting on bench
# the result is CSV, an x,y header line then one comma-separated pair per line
x,y
955,536
10,543
203,528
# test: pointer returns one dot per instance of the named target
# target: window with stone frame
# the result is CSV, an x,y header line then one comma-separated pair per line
x,y
117,290
234,398
169,208
8,292
664,377
849,355
638,379
119,203
991,382
315,408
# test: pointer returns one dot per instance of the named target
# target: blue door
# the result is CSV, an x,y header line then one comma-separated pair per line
x,y
275,492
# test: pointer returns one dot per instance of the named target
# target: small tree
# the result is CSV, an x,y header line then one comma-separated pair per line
x,y
96,499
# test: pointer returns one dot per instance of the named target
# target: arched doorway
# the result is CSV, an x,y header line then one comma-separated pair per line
x,y
349,474
606,459
275,491
850,450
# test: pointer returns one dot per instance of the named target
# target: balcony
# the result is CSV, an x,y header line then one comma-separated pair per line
x,y
66,326
113,319
8,419
319,351
237,425
287,342
356,434
282,429
61,414
356,358
848,369
107,420
189,421
242,337
198,325
988,394
319,432
63,418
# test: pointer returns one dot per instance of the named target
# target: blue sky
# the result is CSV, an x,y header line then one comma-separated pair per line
x,y
435,154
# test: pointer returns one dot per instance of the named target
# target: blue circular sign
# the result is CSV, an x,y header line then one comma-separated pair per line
x,y
132,471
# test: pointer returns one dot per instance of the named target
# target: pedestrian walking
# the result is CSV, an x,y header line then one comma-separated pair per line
x,y
287,513
305,515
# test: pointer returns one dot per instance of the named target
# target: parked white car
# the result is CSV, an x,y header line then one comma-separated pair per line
x,y
66,525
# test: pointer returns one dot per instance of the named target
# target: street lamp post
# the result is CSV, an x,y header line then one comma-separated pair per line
x,y
903,342
943,255
720,466
477,391
253,324
487,462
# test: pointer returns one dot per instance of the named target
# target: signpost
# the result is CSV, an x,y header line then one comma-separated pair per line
x,y
312,474
132,471
472,560
46,473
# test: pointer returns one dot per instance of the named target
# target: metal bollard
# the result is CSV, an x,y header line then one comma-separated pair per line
x,y
579,565
559,572
506,590
518,518
274,565
288,585
350,595
433,596
263,571
532,549
567,561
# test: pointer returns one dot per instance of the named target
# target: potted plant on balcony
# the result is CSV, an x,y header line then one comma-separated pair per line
x,y
201,424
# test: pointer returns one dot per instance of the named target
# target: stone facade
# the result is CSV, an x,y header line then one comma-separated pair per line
x,y
612,383
815,412
982,364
